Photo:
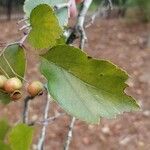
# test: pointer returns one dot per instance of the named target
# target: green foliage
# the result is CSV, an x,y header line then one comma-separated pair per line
x,y
4,97
45,27
15,57
61,40
4,127
85,87
4,146
17,138
20,137
61,14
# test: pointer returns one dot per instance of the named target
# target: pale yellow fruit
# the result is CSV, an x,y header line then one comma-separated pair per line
x,y
34,88
12,84
3,79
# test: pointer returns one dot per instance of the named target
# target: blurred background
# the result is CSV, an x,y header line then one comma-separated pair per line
x,y
140,9
121,36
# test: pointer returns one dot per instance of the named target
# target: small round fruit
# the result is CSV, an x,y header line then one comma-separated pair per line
x,y
34,88
16,95
12,84
3,79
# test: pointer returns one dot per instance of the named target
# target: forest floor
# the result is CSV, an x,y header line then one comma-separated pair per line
x,y
124,44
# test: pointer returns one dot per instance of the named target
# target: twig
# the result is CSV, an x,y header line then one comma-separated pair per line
x,y
48,120
25,27
105,5
26,109
79,27
23,38
51,119
80,23
43,132
69,136
22,20
60,6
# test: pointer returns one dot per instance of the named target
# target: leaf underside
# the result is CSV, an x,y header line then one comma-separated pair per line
x,y
85,87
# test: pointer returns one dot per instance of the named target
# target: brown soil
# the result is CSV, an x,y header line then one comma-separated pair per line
x,y
125,45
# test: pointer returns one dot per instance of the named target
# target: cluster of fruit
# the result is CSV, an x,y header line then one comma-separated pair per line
x,y
13,86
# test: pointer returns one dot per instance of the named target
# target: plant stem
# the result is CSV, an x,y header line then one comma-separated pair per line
x,y
48,120
26,109
69,135
78,30
43,132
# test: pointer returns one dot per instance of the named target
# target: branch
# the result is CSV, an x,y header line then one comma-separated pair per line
x,y
43,132
26,109
51,119
24,19
61,6
48,120
79,27
105,7
69,136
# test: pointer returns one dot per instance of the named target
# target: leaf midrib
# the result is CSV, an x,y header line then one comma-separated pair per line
x,y
96,88
76,92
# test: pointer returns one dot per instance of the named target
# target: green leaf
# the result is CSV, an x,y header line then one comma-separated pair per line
x,y
20,137
85,87
15,56
61,40
45,27
4,97
62,14
4,127
4,146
